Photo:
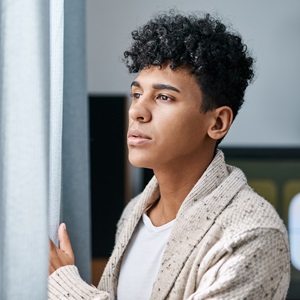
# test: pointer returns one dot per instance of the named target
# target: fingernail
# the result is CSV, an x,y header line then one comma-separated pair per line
x,y
64,226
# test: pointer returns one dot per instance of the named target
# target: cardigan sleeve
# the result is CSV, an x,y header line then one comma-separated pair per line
x,y
66,283
256,266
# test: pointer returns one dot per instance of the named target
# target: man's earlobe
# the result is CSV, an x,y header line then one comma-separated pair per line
x,y
222,120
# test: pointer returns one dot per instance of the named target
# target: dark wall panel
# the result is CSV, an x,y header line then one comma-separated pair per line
x,y
107,167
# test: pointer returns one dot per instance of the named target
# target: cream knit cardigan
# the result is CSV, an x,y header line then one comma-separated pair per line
x,y
227,243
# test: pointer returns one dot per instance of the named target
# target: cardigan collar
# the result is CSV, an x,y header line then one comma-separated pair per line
x,y
208,198
197,214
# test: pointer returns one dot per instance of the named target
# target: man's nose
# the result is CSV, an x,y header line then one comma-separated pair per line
x,y
140,110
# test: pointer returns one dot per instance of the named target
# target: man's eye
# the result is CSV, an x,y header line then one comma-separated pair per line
x,y
164,97
136,95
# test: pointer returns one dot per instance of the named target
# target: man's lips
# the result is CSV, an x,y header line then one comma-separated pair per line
x,y
136,138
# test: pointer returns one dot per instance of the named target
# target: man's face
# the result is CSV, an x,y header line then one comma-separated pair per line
x,y
166,125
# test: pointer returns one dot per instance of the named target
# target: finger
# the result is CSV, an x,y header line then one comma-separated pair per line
x,y
53,264
51,244
64,240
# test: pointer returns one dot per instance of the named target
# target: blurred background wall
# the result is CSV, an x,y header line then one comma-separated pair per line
x,y
270,28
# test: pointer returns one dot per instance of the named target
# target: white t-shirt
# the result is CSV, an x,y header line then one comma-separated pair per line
x,y
142,259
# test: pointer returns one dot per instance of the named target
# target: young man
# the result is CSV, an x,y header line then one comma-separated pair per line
x,y
197,231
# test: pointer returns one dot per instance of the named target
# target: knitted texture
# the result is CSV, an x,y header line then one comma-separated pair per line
x,y
220,222
65,283
227,242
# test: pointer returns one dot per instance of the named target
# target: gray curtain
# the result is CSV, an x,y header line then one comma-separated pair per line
x,y
44,161
75,154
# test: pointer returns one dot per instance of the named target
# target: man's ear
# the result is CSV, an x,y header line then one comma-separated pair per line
x,y
221,122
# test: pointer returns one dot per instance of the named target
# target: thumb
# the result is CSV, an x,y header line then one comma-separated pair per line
x,y
64,240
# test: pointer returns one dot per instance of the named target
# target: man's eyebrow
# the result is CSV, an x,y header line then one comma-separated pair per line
x,y
158,86
135,83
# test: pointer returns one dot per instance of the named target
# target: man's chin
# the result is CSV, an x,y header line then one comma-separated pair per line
x,y
138,162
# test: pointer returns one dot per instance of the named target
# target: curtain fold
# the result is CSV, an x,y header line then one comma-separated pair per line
x,y
75,154
44,154
56,114
24,144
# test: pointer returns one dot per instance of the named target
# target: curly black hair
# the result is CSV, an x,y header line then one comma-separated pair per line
x,y
216,56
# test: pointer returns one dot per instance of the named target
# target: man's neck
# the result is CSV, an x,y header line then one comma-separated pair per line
x,y
174,185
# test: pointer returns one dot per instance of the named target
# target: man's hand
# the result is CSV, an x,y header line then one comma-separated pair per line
x,y
63,256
